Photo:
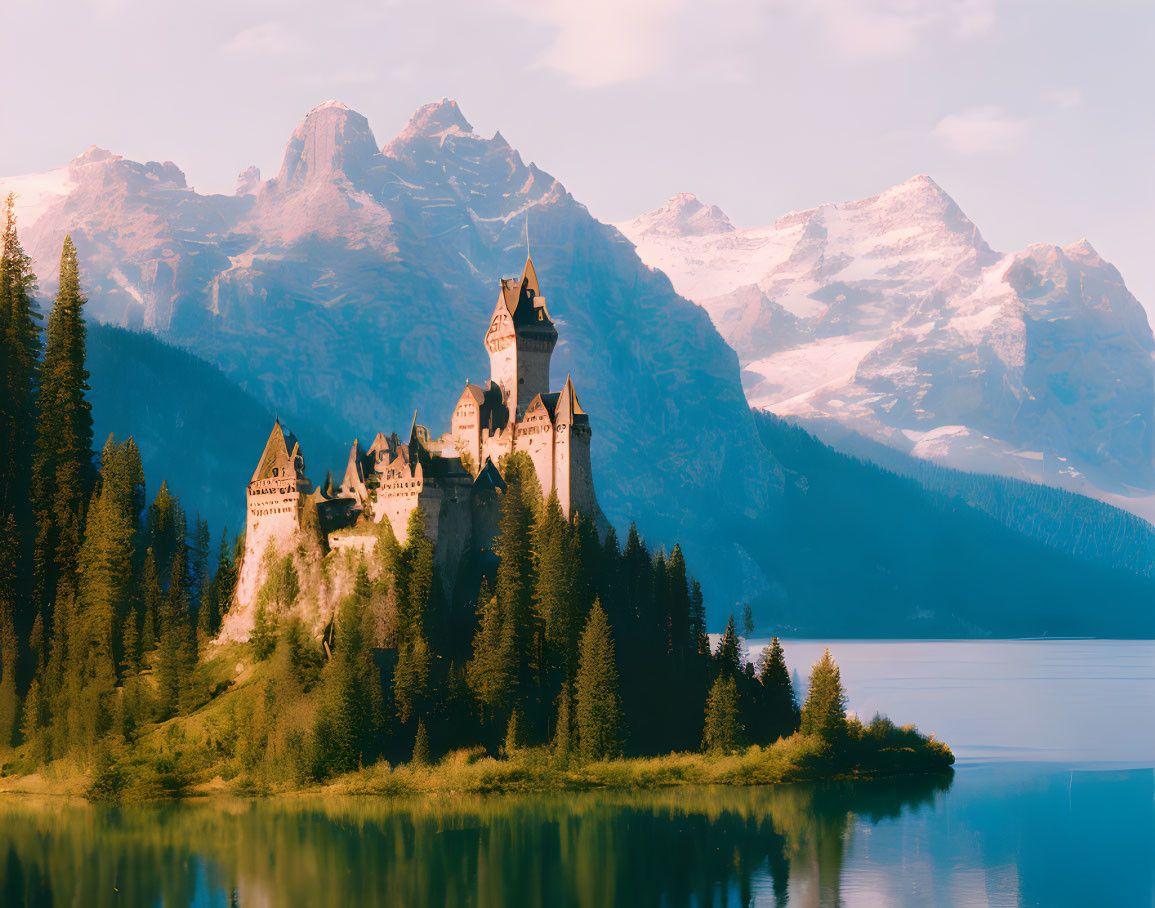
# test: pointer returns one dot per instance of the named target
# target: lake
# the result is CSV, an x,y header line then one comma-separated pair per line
x,y
1052,803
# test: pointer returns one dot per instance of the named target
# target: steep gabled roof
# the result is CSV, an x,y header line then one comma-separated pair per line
x,y
569,411
280,454
354,478
489,477
474,391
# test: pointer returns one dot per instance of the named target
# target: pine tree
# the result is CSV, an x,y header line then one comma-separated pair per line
x,y
177,639
698,619
825,711
199,579
107,582
411,679
492,670
19,374
515,580
564,733
35,723
421,746
552,581
723,733
681,641
9,643
781,714
62,470
151,598
514,734
417,577
349,719
729,655
598,703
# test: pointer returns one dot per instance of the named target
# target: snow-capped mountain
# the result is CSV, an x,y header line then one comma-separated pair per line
x,y
892,316
356,285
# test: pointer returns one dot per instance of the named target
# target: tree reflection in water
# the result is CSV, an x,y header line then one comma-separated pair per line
x,y
713,846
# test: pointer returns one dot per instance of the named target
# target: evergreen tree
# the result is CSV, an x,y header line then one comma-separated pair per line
x,y
417,579
698,619
552,581
421,746
515,580
349,719
411,679
681,641
199,579
515,734
598,703
62,471
565,733
729,655
723,733
177,639
151,597
780,711
35,723
19,374
492,670
825,711
108,559
9,644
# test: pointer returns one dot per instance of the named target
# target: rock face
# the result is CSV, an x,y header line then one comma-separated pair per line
x,y
352,288
893,317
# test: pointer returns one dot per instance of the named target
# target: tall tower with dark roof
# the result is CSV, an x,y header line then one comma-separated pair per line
x,y
520,341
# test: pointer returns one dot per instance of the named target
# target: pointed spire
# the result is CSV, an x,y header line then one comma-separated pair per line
x,y
529,275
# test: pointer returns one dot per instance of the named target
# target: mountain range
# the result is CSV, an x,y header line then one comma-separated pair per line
x,y
355,286
892,317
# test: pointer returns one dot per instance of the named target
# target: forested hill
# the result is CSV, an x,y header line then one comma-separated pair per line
x,y
859,551
1086,527
195,428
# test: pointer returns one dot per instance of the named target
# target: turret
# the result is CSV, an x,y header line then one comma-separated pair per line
x,y
520,341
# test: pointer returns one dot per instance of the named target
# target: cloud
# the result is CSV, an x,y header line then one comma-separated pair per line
x,y
603,42
981,129
270,39
863,30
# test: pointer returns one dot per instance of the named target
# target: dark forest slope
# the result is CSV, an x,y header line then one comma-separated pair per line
x,y
858,550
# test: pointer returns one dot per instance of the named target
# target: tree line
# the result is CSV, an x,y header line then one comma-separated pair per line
x,y
94,586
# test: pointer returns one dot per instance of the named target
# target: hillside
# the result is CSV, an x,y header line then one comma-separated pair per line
x,y
859,551
195,429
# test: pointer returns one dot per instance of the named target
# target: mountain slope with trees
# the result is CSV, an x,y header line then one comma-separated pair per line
x,y
859,551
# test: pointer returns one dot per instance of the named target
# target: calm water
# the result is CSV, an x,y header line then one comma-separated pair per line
x,y
1053,803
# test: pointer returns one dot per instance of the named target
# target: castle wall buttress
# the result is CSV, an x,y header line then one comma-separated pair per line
x,y
561,465
581,474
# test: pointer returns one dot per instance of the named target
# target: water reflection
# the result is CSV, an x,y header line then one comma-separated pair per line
x,y
676,847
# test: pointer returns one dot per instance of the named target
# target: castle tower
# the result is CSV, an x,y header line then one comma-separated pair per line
x,y
273,515
520,341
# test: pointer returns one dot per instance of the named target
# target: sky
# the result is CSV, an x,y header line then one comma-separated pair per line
x,y
1037,116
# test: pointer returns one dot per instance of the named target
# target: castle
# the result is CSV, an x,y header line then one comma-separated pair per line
x,y
453,478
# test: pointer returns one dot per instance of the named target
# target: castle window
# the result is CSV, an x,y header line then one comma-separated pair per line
x,y
274,471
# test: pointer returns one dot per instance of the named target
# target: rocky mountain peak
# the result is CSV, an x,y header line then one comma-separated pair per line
x,y
332,142
685,215
436,119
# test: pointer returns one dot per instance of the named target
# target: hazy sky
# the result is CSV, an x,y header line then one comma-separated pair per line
x,y
1037,116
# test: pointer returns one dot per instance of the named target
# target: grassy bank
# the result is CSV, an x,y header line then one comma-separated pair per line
x,y
175,767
